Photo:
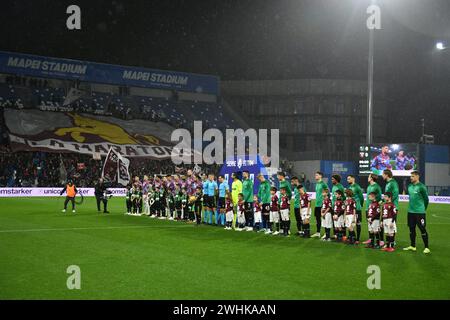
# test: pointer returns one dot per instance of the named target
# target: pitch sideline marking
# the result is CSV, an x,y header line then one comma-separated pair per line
x,y
106,228
436,216
86,228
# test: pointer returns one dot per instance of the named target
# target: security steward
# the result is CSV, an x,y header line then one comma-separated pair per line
x,y
71,192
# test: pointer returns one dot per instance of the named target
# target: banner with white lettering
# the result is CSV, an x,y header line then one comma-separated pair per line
x,y
33,130
39,66
109,171
123,174
115,168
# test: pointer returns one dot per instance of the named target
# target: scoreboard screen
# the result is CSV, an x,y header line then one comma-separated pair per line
x,y
400,158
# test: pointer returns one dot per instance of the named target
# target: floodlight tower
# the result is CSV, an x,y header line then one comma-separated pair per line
x,y
373,22
369,137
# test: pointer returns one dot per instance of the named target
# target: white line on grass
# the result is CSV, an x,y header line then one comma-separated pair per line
x,y
436,216
111,228
139,227
87,228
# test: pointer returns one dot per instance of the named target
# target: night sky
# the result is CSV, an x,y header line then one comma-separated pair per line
x,y
250,39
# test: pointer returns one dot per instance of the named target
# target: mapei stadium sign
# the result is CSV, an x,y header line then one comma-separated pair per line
x,y
38,66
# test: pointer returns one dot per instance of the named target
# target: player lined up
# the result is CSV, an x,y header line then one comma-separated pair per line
x,y
268,211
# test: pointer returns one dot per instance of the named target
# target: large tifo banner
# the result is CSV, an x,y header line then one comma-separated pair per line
x,y
33,130
89,192
39,66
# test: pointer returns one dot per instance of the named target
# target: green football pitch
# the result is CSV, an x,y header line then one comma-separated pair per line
x,y
125,257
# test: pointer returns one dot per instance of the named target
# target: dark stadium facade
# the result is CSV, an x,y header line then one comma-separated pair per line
x,y
317,118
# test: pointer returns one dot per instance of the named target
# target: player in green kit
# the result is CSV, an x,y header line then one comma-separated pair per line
x,y
283,183
392,187
128,199
298,218
336,181
264,196
337,186
375,188
320,187
359,199
418,204
247,191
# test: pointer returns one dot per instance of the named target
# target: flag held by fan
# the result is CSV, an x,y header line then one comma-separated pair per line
x,y
115,168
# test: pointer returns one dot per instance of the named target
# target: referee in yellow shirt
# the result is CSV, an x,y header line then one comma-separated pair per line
x,y
236,188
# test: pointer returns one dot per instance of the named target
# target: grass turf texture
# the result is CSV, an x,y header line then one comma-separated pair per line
x,y
124,257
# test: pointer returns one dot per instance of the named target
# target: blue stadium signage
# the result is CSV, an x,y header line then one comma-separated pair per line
x,y
39,66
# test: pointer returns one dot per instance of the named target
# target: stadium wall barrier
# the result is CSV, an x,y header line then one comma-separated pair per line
x,y
51,192
89,192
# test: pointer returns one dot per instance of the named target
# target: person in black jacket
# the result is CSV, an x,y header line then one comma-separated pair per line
x,y
101,195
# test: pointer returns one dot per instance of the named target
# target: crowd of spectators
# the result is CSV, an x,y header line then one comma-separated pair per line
x,y
26,81
43,169
29,93
4,137
40,169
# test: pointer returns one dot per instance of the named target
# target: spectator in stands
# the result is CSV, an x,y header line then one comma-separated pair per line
x,y
43,169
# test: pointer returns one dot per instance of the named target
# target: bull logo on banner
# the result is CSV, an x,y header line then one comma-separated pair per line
x,y
39,130
107,131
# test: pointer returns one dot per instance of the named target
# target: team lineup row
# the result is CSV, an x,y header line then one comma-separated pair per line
x,y
269,210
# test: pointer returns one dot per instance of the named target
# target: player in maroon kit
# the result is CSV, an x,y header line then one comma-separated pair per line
x,y
327,220
389,221
373,219
338,214
305,210
285,208
240,213
257,215
228,212
350,216
274,217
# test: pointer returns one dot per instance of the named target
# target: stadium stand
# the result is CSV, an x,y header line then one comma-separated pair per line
x,y
38,168
175,113
49,169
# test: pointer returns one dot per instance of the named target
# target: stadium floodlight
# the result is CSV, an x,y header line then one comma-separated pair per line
x,y
440,45
395,147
